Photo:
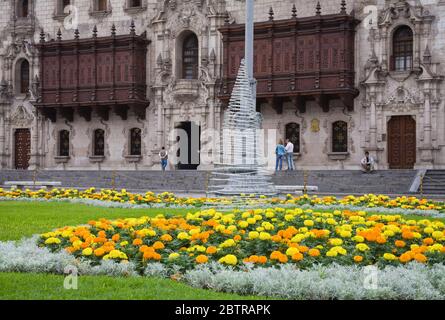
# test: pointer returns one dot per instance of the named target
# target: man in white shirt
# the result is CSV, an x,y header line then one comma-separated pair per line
x,y
367,163
289,154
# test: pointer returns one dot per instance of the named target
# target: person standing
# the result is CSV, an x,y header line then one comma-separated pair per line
x,y
280,152
290,154
164,157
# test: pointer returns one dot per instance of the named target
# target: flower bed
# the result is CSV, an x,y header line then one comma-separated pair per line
x,y
262,237
150,199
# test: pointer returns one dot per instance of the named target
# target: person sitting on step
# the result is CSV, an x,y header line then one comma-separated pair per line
x,y
367,163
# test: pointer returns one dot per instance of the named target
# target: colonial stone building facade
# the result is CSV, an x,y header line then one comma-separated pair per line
x,y
102,84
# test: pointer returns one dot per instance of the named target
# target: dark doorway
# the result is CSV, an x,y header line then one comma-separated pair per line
x,y
401,142
188,138
22,141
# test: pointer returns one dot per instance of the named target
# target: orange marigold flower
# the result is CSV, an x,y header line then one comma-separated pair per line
x,y
420,257
275,255
276,238
282,258
358,259
407,235
101,234
262,259
314,252
297,257
201,258
428,241
137,242
380,240
405,257
166,237
158,245
400,243
70,249
303,249
116,237
99,252
211,250
237,237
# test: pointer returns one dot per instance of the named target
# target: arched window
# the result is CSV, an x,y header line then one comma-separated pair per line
x,y
62,5
190,57
24,76
293,134
23,8
99,142
135,142
64,143
101,5
402,49
134,3
339,136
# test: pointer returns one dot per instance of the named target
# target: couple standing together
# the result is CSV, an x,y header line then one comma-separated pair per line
x,y
287,152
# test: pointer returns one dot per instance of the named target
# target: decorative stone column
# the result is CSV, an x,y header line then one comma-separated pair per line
x,y
426,154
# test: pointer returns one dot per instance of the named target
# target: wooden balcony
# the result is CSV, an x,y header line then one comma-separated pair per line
x,y
98,74
296,59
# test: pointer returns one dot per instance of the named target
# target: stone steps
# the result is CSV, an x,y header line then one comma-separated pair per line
x,y
328,181
434,182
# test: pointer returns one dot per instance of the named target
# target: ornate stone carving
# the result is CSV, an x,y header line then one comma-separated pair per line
x,y
21,117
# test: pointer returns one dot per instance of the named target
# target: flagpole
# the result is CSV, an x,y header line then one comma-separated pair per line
x,y
248,46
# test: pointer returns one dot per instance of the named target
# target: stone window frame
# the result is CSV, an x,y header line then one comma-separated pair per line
x,y
134,10
19,9
299,135
94,9
179,54
94,155
59,13
392,31
18,77
130,141
329,141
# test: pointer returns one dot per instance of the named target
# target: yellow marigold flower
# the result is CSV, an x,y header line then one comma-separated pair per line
x,y
251,220
335,241
173,256
87,252
291,251
331,253
52,240
358,239
362,247
308,223
389,256
183,236
345,234
243,224
264,236
229,259
438,235
253,235
123,243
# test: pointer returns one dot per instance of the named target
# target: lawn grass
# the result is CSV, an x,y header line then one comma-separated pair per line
x,y
23,219
32,286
